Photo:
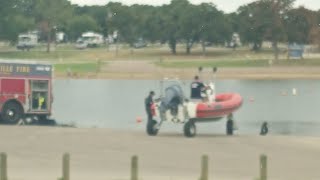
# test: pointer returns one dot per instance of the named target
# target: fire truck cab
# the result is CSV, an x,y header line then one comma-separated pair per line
x,y
25,91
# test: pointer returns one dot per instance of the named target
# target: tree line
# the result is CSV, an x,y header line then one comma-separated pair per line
x,y
178,22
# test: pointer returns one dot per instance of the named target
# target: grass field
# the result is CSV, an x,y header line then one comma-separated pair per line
x,y
76,67
92,60
154,52
240,63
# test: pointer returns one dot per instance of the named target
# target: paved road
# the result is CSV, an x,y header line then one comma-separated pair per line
x,y
34,153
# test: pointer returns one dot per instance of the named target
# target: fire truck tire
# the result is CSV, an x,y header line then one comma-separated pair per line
x,y
12,112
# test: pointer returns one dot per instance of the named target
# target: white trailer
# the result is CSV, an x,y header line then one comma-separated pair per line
x,y
60,37
27,41
91,39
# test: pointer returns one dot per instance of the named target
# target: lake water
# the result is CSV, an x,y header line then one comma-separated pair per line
x,y
117,103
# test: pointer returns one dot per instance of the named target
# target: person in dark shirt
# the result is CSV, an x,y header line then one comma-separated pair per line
x,y
148,103
196,87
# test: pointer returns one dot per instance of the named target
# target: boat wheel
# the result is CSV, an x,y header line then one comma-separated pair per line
x,y
152,129
190,129
229,127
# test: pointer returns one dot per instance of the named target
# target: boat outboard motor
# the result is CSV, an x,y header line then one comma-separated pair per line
x,y
171,100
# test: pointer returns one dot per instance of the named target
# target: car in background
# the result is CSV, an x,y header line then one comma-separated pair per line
x,y
140,43
81,44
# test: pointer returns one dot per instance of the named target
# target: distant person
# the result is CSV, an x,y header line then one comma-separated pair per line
x,y
196,87
148,104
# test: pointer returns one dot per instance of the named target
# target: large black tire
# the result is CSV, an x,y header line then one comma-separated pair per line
x,y
12,112
189,129
152,129
229,127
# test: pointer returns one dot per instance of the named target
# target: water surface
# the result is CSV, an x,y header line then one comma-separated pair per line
x,y
117,103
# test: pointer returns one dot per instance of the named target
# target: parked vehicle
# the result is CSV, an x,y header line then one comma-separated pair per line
x,y
81,44
60,37
89,39
27,41
140,43
25,92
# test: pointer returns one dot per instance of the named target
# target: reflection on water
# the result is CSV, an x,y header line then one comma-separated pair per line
x,y
117,103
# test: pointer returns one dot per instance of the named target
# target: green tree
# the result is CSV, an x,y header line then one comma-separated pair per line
x,y
5,9
193,23
299,23
14,19
190,26
155,25
251,24
315,30
276,11
98,13
50,14
214,26
79,24
264,20
122,20
143,22
17,24
173,14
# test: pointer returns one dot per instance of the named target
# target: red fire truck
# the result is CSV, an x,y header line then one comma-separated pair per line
x,y
25,91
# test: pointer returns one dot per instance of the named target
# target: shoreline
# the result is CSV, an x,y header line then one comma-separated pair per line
x,y
264,73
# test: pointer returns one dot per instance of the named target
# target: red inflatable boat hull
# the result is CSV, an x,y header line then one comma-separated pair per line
x,y
224,104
